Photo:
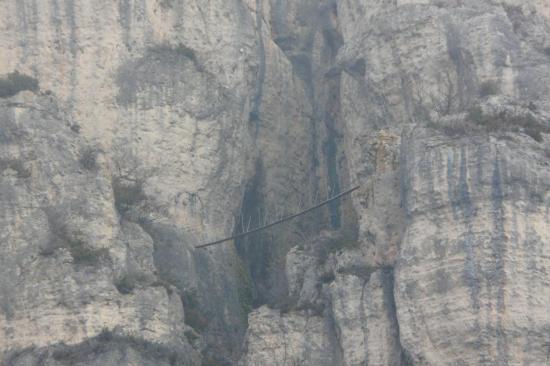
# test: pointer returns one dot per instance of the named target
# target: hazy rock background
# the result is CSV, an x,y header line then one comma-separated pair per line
x,y
159,125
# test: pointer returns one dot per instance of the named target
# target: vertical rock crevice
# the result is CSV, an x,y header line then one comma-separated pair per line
x,y
254,250
254,116
401,357
301,41
332,147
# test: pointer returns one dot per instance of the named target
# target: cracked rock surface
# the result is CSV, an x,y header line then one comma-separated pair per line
x,y
132,131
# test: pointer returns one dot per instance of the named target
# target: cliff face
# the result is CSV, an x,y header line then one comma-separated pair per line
x,y
470,230
158,125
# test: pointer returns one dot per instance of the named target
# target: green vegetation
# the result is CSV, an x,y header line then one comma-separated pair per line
x,y
15,82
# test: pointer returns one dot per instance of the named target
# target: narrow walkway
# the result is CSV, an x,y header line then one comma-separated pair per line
x,y
286,218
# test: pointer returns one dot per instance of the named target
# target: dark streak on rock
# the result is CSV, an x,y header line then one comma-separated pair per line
x,y
174,262
334,330
388,288
56,21
405,153
257,99
125,19
330,150
450,180
496,274
70,13
170,75
464,190
254,250
462,61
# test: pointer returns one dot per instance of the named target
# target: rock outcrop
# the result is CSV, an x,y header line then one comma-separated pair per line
x,y
132,131
446,126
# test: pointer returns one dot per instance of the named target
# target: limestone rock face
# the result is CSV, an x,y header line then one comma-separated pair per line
x,y
164,114
446,126
293,339
334,284
467,220
368,302
487,300
132,131
70,270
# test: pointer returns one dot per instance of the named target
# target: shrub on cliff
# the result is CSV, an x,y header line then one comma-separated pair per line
x,y
83,254
15,82
514,122
88,158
